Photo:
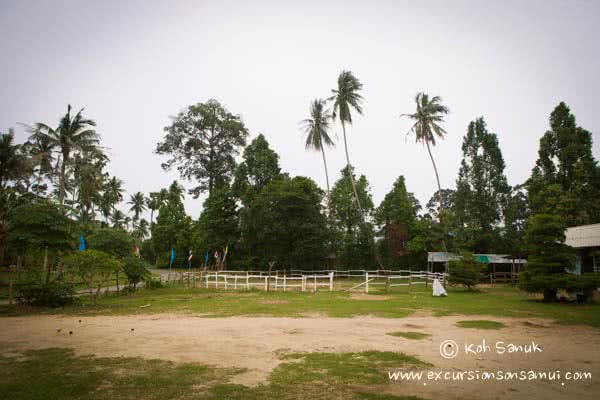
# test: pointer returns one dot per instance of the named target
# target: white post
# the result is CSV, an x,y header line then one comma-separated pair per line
x,y
303,283
315,283
235,282
331,281
366,282
207,281
266,283
284,286
216,279
247,281
225,276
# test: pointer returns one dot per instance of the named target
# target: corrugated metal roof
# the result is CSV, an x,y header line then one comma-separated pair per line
x,y
583,236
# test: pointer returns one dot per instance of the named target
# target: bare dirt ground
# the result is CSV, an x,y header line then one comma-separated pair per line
x,y
255,342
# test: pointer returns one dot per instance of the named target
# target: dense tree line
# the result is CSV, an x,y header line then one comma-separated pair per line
x,y
261,214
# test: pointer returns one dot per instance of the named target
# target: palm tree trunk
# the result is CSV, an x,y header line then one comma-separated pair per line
x,y
437,177
326,173
350,171
61,183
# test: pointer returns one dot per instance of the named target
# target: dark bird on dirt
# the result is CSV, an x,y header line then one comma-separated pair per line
x,y
132,329
70,332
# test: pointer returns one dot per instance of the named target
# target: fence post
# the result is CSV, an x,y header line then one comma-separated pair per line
x,y
331,281
247,281
387,283
303,283
366,282
315,283
225,281
216,279
206,280
235,282
10,285
284,282
266,283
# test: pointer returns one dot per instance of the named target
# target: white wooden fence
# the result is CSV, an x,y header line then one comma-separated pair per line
x,y
302,280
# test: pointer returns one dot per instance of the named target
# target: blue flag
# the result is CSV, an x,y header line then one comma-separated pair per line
x,y
81,243
206,258
172,257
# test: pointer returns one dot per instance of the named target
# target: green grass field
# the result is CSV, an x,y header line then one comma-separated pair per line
x,y
498,301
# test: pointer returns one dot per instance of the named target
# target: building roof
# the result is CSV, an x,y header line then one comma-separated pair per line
x,y
481,258
583,236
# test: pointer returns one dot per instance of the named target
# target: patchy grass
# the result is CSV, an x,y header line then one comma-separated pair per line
x,y
481,324
411,335
498,301
59,374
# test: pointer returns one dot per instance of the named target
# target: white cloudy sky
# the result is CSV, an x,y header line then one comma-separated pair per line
x,y
132,64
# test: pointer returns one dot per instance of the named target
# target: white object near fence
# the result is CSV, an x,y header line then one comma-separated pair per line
x,y
438,289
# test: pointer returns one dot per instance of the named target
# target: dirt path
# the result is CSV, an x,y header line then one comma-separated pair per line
x,y
253,343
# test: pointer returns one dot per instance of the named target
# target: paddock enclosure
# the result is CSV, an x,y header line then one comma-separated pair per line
x,y
305,281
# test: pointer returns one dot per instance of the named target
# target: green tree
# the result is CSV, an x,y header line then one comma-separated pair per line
x,y
136,271
566,178
173,227
11,159
259,166
354,238
316,128
218,224
347,97
427,125
397,214
113,241
285,224
95,268
549,257
74,133
203,142
481,188
40,227
465,271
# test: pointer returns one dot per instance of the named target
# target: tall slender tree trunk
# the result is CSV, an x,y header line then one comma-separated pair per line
x,y
326,172
360,210
350,172
437,178
61,183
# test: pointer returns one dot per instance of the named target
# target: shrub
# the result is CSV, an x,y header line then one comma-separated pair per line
x,y
113,241
136,271
465,271
56,293
94,267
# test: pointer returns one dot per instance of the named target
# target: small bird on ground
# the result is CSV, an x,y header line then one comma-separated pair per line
x,y
70,332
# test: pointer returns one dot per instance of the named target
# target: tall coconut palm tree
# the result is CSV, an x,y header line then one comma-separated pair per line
x,y
153,202
41,151
427,119
345,98
113,191
11,158
138,205
430,113
74,132
118,218
316,128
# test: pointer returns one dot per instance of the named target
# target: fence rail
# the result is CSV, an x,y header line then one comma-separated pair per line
x,y
302,280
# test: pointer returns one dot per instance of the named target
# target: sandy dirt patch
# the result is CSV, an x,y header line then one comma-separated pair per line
x,y
255,342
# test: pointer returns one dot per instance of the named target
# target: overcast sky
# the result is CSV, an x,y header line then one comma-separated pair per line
x,y
132,64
